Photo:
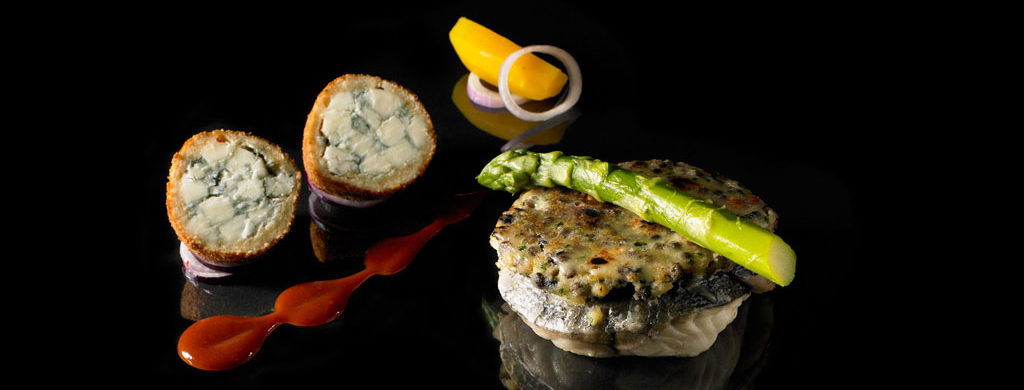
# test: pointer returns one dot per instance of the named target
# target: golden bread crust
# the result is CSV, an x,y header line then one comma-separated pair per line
x,y
178,215
313,146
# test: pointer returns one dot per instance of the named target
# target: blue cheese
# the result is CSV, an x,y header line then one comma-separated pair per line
x,y
370,131
231,192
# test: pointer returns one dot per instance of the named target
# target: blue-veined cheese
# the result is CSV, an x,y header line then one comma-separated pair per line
x,y
231,192
366,138
371,132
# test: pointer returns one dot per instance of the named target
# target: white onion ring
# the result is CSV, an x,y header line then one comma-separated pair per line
x,y
480,94
343,201
575,83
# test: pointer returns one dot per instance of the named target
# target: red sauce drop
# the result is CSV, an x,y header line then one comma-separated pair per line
x,y
224,342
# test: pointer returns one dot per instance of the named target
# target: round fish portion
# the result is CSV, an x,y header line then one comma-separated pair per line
x,y
582,250
679,323
598,280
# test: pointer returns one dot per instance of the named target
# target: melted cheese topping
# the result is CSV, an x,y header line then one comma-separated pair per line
x,y
231,192
370,131
582,249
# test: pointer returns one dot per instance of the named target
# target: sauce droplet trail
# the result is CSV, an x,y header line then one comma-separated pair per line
x,y
224,342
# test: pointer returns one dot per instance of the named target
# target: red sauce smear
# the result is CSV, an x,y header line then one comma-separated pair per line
x,y
224,342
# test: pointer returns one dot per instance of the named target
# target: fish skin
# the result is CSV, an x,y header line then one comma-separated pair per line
x,y
559,320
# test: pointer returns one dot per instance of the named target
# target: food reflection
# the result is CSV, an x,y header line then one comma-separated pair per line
x,y
329,246
200,300
339,236
531,362
339,232
502,124
223,342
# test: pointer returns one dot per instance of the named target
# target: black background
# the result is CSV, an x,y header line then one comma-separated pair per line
x,y
805,106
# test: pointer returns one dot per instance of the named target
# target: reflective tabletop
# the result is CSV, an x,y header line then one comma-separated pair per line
x,y
738,97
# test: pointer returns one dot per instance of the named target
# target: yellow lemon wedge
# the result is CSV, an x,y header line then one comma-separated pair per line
x,y
482,51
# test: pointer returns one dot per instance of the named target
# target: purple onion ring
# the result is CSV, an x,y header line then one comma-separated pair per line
x,y
343,201
197,267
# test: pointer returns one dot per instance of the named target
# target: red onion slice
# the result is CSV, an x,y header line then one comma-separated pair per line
x,y
343,201
195,267
575,83
487,97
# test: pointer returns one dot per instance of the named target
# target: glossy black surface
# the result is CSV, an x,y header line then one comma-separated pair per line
x,y
773,102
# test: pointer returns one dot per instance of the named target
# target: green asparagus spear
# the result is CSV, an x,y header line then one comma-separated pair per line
x,y
653,199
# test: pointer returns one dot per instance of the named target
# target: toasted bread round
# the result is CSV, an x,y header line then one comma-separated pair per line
x,y
366,138
231,195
